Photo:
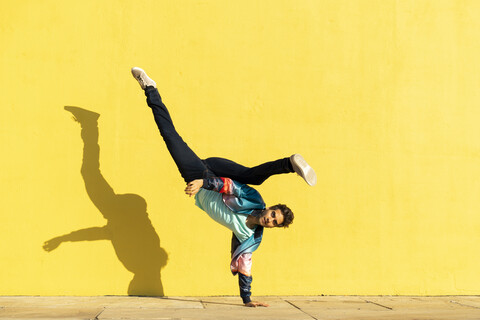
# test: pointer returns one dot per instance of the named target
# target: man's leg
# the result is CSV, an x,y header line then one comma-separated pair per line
x,y
258,174
255,175
189,165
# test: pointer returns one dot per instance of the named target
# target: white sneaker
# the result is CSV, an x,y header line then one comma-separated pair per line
x,y
302,168
142,78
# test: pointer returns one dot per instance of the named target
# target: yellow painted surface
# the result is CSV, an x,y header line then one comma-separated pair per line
x,y
381,97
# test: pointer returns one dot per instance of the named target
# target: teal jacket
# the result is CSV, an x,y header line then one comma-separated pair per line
x,y
240,198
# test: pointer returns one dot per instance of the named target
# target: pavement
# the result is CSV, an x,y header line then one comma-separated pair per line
x,y
281,307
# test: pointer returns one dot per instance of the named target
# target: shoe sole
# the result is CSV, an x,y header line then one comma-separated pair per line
x,y
304,170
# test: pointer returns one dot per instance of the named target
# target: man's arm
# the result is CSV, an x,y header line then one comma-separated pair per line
x,y
241,196
220,185
244,264
228,186
245,284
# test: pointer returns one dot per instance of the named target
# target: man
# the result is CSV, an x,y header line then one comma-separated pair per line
x,y
220,189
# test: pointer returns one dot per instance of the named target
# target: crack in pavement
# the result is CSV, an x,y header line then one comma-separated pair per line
x,y
378,304
464,305
96,317
300,309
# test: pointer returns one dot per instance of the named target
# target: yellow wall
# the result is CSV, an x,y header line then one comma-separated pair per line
x,y
381,97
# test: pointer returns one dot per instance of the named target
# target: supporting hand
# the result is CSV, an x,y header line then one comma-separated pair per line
x,y
254,304
193,187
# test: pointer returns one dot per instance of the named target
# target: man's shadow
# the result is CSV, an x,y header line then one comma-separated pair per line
x,y
128,227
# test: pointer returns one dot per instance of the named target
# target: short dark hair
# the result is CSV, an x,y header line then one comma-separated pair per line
x,y
287,214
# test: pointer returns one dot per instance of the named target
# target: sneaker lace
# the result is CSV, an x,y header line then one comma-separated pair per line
x,y
142,82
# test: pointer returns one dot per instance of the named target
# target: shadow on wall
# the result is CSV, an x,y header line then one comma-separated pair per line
x,y
128,227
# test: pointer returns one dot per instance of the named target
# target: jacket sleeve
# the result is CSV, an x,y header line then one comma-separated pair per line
x,y
244,193
226,186
244,264
245,283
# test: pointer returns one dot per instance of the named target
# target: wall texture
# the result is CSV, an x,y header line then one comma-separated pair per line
x,y
381,97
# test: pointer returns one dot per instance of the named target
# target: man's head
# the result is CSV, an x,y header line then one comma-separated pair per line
x,y
277,216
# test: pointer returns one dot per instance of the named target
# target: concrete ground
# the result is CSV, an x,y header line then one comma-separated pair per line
x,y
297,307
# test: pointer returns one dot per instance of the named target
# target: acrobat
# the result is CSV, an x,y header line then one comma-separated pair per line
x,y
220,187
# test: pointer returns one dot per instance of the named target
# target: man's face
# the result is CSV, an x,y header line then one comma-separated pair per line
x,y
271,218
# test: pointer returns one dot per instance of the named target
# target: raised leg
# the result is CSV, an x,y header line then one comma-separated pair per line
x,y
255,175
189,164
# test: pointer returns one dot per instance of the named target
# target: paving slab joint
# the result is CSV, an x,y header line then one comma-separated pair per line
x,y
464,305
293,305
98,314
378,304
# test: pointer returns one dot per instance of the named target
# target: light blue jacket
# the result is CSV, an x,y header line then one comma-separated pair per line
x,y
243,199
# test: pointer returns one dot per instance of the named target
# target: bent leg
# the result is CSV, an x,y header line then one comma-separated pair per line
x,y
255,175
189,164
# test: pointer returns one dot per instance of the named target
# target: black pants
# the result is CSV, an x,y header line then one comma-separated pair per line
x,y
191,167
